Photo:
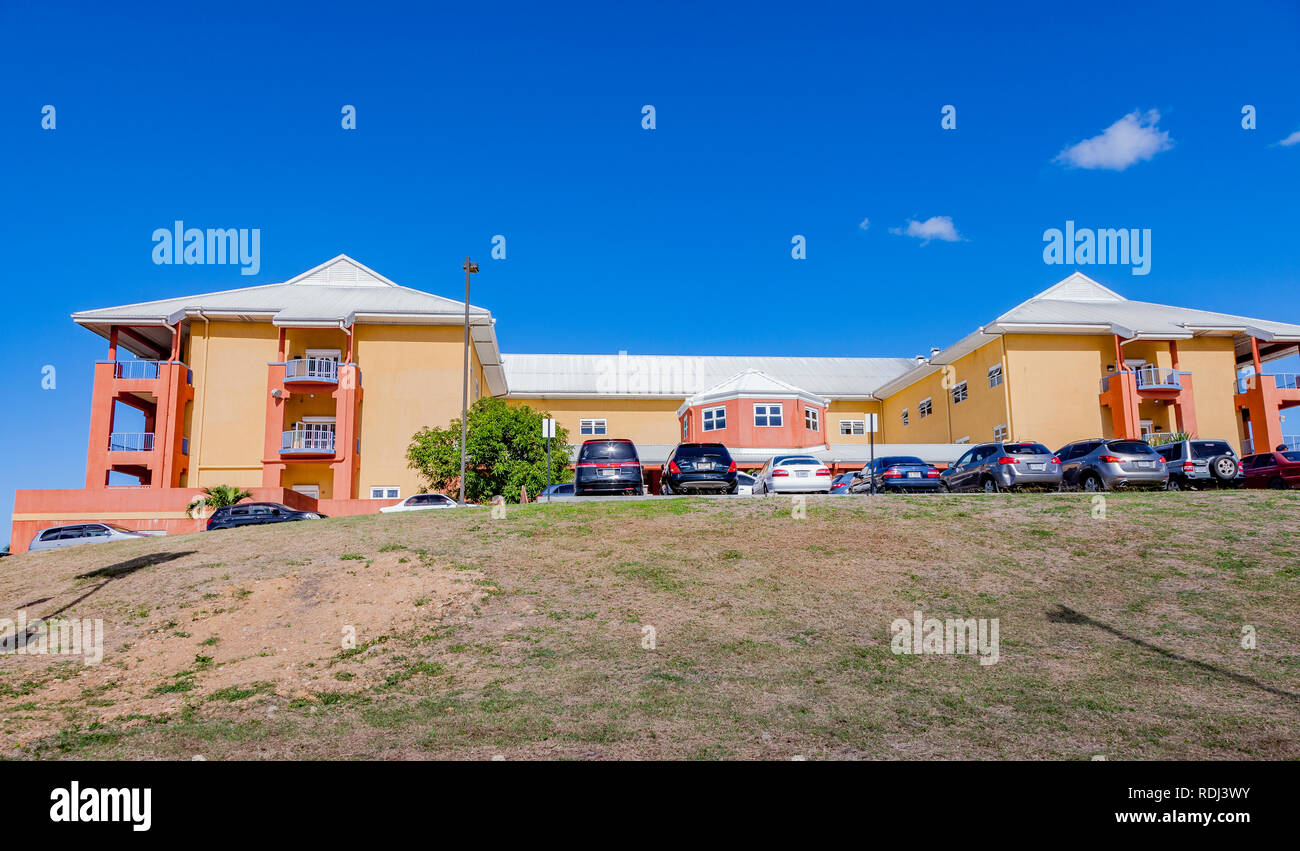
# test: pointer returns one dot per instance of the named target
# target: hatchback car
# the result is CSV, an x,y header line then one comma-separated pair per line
x,y
257,514
1103,464
698,468
993,467
840,484
896,473
1201,463
57,537
793,474
421,502
1277,470
607,467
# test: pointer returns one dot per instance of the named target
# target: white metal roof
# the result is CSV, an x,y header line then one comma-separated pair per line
x,y
750,383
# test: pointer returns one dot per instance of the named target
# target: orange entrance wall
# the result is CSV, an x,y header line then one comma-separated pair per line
x,y
741,431
148,509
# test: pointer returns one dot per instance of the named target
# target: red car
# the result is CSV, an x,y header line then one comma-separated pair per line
x,y
1279,470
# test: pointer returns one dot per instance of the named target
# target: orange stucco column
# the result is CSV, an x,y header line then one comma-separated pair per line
x,y
274,425
1264,402
347,460
1122,399
1185,407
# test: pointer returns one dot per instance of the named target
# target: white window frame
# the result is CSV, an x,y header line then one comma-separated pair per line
x,y
811,419
718,412
686,426
385,492
1000,433
965,439
905,416
853,428
960,393
995,375
925,407
593,423
768,408
312,491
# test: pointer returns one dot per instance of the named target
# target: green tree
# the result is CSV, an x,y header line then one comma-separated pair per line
x,y
506,450
222,495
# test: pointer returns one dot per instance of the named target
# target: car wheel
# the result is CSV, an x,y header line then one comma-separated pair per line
x,y
945,487
1092,483
1173,484
1277,484
990,485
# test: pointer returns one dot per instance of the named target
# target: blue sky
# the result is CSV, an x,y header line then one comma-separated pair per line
x,y
526,121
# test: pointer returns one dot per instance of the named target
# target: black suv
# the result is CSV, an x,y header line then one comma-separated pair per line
x,y
1198,463
607,466
256,514
694,467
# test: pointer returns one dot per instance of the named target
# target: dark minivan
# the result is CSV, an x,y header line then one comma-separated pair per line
x,y
607,467
256,514
696,467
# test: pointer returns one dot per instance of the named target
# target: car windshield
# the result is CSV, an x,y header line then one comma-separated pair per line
x,y
1131,447
605,450
1291,456
795,459
896,460
1026,449
1210,448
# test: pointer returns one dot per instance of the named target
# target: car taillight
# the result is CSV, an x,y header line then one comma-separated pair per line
x,y
932,473
891,474
1108,459
1006,459
824,471
776,473
732,468
1055,460
673,468
584,464
1188,465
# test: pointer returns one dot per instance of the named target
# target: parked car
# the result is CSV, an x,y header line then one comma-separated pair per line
x,y
744,484
895,473
1201,463
421,502
1278,470
840,484
257,514
607,467
993,467
555,491
57,537
698,467
1104,464
793,474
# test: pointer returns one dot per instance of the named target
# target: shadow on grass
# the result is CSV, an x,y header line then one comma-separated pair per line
x,y
1062,614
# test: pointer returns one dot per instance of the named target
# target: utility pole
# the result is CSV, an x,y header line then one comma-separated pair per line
x,y
470,268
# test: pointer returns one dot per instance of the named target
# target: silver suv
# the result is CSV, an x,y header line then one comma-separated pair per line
x,y
58,537
1104,464
993,467
1201,463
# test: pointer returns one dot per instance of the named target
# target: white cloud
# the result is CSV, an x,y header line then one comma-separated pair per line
x,y
1132,139
1293,139
866,223
935,227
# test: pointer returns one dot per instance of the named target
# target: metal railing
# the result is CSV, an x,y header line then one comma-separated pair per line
x,y
306,440
1149,378
1281,380
130,442
136,370
311,369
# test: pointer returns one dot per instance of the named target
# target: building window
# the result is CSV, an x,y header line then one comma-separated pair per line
x,y
714,419
965,439
476,394
385,493
959,393
810,419
591,426
905,416
999,433
858,426
686,426
925,408
995,375
767,415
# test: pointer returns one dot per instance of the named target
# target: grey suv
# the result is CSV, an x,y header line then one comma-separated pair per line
x,y
1201,463
1103,464
993,467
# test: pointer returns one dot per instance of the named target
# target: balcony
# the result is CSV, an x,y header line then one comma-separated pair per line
x,y
145,370
130,442
1281,380
300,441
1149,378
314,370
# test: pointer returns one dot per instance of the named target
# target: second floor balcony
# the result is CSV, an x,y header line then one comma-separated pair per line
x,y
120,441
313,370
301,441
1149,378
1281,380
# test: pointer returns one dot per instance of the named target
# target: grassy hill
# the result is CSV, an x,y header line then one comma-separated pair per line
x,y
523,637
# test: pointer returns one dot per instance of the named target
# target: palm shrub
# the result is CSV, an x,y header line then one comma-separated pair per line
x,y
222,495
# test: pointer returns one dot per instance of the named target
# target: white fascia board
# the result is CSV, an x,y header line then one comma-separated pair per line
x,y
1049,328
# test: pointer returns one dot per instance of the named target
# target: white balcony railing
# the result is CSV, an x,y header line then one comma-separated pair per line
x,y
306,440
1149,378
312,369
130,442
1281,380
136,370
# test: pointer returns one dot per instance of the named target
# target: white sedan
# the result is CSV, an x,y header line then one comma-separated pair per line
x,y
422,502
793,474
